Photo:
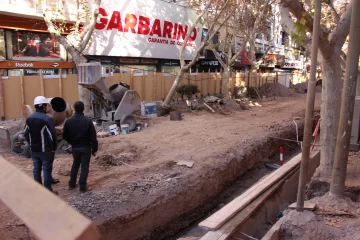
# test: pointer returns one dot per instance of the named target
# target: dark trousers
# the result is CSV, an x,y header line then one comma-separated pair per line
x,y
43,161
81,157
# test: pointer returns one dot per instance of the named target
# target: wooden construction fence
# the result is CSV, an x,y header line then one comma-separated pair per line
x,y
17,91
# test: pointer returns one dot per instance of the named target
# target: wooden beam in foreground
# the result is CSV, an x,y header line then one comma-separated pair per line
x,y
46,215
226,231
215,221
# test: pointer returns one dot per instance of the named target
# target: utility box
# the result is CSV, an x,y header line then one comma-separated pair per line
x,y
355,130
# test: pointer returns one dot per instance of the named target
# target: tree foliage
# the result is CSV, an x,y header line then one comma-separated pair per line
x,y
187,90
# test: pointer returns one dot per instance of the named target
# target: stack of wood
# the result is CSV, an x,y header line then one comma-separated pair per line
x,y
224,222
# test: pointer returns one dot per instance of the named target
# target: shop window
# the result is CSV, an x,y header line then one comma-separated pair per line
x,y
2,45
138,69
34,44
170,69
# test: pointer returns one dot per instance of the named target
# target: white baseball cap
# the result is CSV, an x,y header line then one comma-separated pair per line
x,y
40,100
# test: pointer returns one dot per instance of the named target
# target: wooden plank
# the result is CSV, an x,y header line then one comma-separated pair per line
x,y
154,85
143,85
307,206
2,109
60,83
132,80
230,227
42,89
46,215
219,218
22,94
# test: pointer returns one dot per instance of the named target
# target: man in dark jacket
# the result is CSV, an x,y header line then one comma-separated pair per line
x,y
79,132
41,135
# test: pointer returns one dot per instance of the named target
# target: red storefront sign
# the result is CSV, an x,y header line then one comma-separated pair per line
x,y
32,64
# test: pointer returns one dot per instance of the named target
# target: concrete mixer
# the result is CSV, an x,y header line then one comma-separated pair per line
x,y
60,110
114,104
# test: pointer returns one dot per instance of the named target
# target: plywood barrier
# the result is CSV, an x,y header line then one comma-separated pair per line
x,y
151,86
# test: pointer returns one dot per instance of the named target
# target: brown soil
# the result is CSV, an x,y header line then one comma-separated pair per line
x,y
137,187
302,87
269,89
334,218
352,183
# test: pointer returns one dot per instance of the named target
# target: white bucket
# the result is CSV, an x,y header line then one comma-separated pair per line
x,y
124,128
150,109
114,130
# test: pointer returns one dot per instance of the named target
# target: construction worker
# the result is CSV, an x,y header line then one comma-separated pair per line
x,y
41,135
79,132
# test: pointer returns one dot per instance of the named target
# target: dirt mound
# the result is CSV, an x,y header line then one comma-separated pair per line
x,y
333,218
302,87
269,89
107,159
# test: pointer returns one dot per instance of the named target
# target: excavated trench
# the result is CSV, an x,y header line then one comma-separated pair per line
x,y
235,189
175,213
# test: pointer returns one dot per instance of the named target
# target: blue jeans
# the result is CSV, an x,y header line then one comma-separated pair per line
x,y
43,161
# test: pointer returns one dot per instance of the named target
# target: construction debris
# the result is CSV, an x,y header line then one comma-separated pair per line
x,y
189,164
103,134
213,99
307,206
212,110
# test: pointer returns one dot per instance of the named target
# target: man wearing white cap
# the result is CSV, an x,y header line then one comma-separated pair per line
x,y
41,135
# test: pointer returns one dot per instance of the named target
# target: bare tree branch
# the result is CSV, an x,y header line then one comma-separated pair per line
x,y
334,12
90,27
78,20
286,21
342,29
209,36
299,12
53,30
189,32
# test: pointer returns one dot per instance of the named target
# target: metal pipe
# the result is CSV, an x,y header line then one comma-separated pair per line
x,y
337,185
309,109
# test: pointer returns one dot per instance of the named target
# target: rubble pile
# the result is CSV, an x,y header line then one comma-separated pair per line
x,y
93,203
115,160
150,182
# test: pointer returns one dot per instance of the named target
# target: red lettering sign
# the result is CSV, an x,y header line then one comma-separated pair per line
x,y
142,25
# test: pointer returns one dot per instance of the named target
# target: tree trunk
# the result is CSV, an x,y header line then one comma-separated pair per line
x,y
171,93
226,82
84,94
330,112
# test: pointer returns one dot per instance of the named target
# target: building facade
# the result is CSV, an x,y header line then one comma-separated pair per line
x,y
130,35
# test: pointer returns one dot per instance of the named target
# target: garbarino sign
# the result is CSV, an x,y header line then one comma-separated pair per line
x,y
137,28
